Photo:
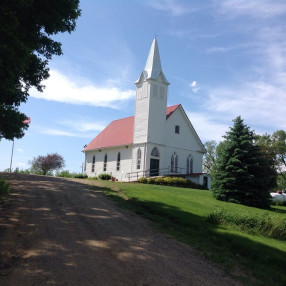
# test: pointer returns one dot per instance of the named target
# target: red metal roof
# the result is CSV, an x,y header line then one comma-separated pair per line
x,y
119,132
171,109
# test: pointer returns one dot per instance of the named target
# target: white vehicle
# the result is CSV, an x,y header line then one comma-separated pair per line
x,y
278,197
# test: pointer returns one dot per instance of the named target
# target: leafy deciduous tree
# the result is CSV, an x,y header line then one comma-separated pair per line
x,y
26,27
209,159
46,164
274,148
242,174
279,145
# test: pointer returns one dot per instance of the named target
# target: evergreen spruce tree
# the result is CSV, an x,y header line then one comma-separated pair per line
x,y
242,174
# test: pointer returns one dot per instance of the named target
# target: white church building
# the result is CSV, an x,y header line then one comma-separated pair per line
x,y
158,140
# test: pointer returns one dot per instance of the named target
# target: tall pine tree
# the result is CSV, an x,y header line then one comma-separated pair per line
x,y
242,174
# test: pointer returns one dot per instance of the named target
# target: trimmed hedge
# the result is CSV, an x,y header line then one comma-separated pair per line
x,y
171,181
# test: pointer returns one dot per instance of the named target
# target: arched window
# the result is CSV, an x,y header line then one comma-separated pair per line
x,y
93,163
189,169
174,163
139,158
155,152
105,162
118,162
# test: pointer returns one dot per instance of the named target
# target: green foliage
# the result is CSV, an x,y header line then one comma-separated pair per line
x,y
281,181
67,174
80,176
160,181
22,171
209,158
274,147
171,181
64,174
4,188
27,30
279,146
265,224
143,180
104,176
242,174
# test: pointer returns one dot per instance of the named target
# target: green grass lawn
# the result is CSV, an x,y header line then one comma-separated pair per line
x,y
182,213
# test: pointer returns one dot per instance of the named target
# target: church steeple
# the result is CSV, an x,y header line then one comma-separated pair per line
x,y
151,101
153,64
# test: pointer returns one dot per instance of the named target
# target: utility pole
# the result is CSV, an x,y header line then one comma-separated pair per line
x,y
12,157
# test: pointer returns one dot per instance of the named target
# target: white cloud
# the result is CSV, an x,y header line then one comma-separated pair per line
x,y
20,150
259,94
62,89
180,33
57,132
262,103
207,126
83,125
253,8
173,7
194,86
212,50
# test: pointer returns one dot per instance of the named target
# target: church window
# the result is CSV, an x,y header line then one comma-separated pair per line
x,y
139,158
190,164
155,152
174,163
118,162
177,129
93,163
105,162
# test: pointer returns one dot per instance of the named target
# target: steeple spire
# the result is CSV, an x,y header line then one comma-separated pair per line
x,y
153,64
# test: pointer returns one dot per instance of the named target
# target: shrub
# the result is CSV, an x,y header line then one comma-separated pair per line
x,y
80,176
266,225
171,181
64,174
21,171
4,188
179,181
143,180
104,176
160,181
168,181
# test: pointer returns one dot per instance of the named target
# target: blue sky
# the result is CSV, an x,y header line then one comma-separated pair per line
x,y
222,58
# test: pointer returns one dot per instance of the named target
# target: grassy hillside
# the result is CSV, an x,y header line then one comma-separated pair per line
x,y
183,214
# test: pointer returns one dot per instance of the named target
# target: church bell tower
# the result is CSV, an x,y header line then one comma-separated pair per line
x,y
151,101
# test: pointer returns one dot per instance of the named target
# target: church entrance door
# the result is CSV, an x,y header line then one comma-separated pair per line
x,y
154,167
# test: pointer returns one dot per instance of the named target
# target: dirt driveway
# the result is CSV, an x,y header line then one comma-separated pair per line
x,y
59,232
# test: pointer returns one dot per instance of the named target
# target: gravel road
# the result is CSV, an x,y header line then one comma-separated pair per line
x,y
60,232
